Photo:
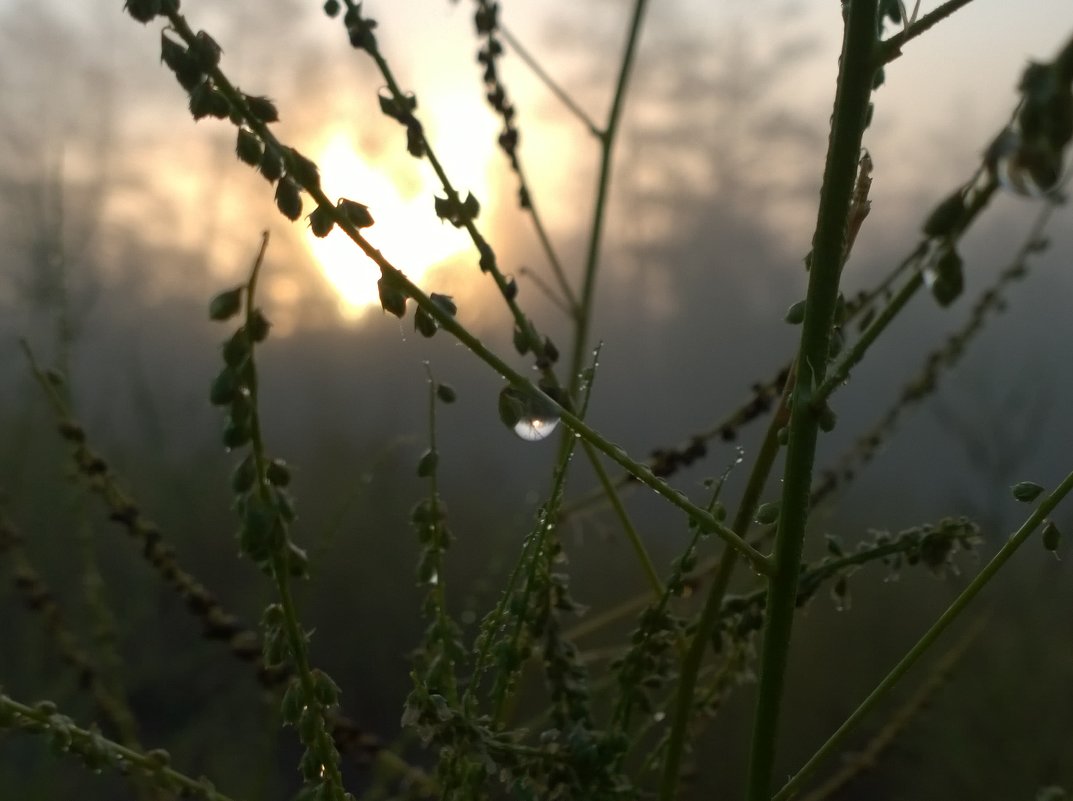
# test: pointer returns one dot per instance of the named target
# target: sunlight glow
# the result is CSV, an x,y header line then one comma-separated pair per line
x,y
399,194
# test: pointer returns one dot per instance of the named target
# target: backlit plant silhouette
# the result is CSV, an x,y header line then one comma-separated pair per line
x,y
623,731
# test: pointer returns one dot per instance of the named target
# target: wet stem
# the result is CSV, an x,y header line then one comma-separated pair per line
x,y
281,573
856,72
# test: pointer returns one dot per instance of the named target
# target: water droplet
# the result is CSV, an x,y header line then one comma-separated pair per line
x,y
530,414
535,428
658,717
433,579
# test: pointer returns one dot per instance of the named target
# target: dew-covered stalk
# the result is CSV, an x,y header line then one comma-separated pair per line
x,y
1032,522
851,110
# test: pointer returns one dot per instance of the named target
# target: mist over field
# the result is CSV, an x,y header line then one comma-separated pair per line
x,y
120,217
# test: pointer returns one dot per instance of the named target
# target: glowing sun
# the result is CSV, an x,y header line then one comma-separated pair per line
x,y
399,195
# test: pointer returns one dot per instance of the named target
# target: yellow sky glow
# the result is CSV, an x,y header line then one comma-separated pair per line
x,y
406,230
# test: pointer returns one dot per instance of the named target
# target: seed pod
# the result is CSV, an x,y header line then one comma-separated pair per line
x,y
271,166
768,513
302,169
224,387
248,147
289,199
226,304
244,475
795,315
392,299
1026,491
1051,536
236,434
205,51
259,326
278,473
945,217
237,349
262,108
426,466
357,213
143,10
521,341
178,59
425,323
445,302
827,419
321,222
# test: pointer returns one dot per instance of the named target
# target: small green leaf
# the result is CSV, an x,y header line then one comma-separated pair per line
x,y
1026,491
226,304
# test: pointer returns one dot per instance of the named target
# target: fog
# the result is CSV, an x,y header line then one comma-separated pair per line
x,y
121,217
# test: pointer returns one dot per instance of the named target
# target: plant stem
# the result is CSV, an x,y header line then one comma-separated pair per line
x,y
713,605
607,142
892,47
627,525
849,120
553,86
930,636
98,750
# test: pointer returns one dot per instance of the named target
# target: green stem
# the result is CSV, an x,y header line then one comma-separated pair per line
x,y
713,605
552,85
850,117
607,142
930,636
98,750
322,743
840,372
627,525
892,47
